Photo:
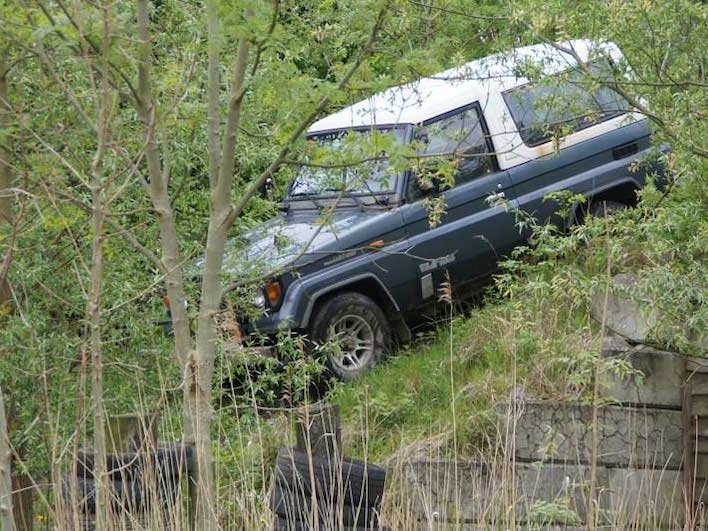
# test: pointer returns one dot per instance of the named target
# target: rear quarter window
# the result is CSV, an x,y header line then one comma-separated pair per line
x,y
563,104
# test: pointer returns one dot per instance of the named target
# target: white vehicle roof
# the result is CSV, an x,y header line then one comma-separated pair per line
x,y
432,96
482,81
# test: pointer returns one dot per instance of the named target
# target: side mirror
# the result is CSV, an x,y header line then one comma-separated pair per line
x,y
428,182
427,185
267,188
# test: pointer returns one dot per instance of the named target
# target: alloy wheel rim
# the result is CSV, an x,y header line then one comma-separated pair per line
x,y
353,339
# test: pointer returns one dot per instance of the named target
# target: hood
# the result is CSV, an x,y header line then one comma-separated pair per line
x,y
298,238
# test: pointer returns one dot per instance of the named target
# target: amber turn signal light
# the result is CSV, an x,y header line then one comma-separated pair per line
x,y
274,291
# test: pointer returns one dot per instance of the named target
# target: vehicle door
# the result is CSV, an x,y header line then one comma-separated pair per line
x,y
477,227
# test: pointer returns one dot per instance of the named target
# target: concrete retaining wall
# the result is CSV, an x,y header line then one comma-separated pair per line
x,y
543,494
541,474
662,381
627,436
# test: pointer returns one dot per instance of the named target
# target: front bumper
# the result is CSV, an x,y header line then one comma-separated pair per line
x,y
239,351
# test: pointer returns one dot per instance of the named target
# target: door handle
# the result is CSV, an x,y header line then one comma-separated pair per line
x,y
494,199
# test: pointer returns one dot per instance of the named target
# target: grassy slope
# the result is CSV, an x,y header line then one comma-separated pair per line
x,y
439,390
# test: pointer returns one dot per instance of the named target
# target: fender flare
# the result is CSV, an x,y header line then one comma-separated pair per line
x,y
570,221
323,291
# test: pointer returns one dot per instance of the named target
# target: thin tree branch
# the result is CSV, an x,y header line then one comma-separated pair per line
x,y
266,37
213,111
269,172
95,48
221,192
68,94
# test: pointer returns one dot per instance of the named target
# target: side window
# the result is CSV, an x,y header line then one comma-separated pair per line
x,y
462,137
563,104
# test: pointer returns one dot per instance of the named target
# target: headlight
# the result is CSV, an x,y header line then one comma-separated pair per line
x,y
259,301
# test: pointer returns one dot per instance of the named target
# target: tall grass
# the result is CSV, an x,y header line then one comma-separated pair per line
x,y
430,415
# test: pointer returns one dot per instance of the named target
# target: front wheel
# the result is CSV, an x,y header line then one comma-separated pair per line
x,y
353,331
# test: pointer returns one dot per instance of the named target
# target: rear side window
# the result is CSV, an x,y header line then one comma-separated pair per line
x,y
563,104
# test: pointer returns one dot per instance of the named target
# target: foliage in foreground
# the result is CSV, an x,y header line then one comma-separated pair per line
x,y
539,331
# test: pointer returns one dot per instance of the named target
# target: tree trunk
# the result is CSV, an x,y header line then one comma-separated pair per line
x,y
5,152
200,372
94,319
158,189
6,519
93,308
5,169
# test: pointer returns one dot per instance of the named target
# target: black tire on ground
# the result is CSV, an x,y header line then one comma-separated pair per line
x,y
283,524
358,330
598,209
127,495
294,505
354,482
168,460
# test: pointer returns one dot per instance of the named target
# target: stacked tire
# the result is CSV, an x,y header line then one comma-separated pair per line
x,y
138,482
312,492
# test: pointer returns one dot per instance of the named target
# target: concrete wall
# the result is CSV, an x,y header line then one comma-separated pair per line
x,y
627,436
540,473
543,494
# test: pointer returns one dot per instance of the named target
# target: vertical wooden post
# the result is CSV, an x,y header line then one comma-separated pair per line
x,y
23,497
132,432
689,447
318,431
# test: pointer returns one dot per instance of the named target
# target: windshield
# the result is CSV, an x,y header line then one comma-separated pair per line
x,y
354,161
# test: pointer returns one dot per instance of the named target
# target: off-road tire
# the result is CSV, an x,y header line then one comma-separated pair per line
x,y
351,310
123,495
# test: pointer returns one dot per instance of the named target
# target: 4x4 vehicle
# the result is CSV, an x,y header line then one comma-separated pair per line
x,y
354,248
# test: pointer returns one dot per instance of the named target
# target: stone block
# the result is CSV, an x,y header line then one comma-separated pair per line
x,y
625,316
541,494
699,383
640,320
448,490
628,436
663,373
699,405
653,497
563,485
